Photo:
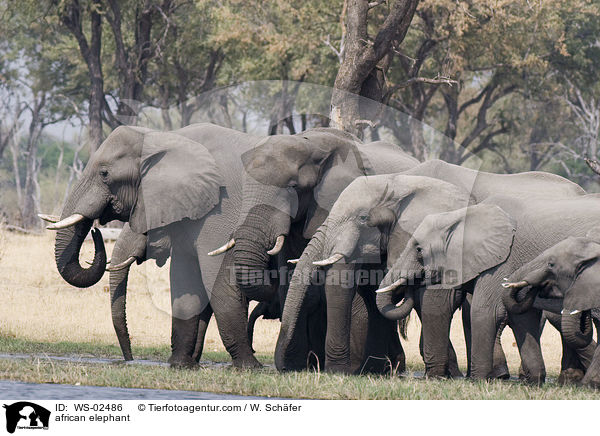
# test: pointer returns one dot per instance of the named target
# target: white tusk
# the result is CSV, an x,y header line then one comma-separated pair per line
x,y
401,302
293,261
329,261
278,246
223,249
122,265
400,282
573,312
89,262
49,218
67,222
520,284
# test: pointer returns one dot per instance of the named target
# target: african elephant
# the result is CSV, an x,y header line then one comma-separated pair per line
x,y
289,189
477,247
368,226
566,273
135,247
186,182
480,185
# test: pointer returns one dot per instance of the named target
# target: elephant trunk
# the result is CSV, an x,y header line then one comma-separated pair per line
x,y
577,328
407,270
118,296
513,305
67,247
532,274
392,312
292,347
253,240
259,310
87,200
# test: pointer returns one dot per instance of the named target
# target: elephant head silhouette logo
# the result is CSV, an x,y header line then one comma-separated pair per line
x,y
26,415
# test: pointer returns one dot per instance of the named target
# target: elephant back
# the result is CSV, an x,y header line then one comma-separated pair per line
x,y
382,157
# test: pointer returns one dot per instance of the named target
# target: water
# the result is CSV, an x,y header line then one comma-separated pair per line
x,y
16,390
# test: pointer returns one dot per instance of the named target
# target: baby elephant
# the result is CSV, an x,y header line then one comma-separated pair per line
x,y
568,272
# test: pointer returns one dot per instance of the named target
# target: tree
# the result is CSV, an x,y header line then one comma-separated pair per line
x,y
365,59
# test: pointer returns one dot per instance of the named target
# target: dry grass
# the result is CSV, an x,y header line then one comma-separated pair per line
x,y
37,305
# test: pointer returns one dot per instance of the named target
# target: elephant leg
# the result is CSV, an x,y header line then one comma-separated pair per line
x,y
592,375
574,362
466,320
453,368
202,327
485,323
526,328
231,314
375,343
437,308
316,328
339,296
500,367
188,301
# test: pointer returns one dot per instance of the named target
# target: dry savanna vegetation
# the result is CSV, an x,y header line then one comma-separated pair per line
x,y
42,315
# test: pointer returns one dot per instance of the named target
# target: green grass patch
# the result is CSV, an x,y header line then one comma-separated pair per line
x,y
265,382
269,383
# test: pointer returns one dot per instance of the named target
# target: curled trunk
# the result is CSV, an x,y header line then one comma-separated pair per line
x,y
392,312
512,302
577,328
86,200
384,300
67,248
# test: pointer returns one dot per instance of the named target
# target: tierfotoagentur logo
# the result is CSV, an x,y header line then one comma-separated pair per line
x,y
27,416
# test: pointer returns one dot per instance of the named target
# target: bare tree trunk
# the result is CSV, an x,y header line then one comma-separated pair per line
x,y
71,16
14,149
361,58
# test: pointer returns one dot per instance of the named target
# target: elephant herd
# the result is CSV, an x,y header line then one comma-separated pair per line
x,y
341,240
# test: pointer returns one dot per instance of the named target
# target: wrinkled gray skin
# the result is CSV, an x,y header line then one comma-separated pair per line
x,y
501,234
157,246
369,224
568,273
289,191
435,306
191,181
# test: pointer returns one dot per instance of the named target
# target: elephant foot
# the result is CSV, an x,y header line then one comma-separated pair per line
x,y
399,366
246,362
592,382
438,372
570,376
182,362
337,369
500,372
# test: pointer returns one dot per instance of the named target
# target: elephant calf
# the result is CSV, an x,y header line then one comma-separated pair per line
x,y
568,271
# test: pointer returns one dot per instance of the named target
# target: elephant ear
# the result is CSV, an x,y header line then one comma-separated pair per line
x,y
344,164
179,179
472,240
583,293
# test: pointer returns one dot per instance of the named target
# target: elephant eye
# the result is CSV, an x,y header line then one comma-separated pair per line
x,y
363,218
550,264
103,173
